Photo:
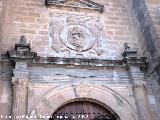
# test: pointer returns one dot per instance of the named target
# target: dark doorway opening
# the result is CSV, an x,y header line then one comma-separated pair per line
x,y
83,110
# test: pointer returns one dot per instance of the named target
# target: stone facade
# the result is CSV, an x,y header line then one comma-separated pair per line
x,y
76,54
1,4
32,18
145,18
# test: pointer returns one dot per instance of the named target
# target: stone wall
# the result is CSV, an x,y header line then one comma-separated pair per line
x,y
121,21
62,76
31,18
5,73
1,4
5,87
145,26
1,8
154,10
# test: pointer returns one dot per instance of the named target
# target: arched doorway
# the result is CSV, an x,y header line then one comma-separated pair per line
x,y
84,110
57,97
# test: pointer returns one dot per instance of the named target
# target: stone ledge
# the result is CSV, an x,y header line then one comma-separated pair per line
x,y
78,61
20,55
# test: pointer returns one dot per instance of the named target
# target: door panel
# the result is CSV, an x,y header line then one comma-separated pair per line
x,y
83,110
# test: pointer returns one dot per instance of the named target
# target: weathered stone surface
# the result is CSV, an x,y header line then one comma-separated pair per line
x,y
66,32
77,36
139,85
20,90
109,30
70,92
85,75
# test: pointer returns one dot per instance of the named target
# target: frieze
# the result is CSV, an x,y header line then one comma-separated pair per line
x,y
76,36
79,62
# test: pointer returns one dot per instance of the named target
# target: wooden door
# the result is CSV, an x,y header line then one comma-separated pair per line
x,y
83,111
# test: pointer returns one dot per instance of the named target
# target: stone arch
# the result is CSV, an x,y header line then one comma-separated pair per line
x,y
62,95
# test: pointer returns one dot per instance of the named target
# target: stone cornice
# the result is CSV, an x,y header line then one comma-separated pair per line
x,y
141,62
23,53
78,61
24,56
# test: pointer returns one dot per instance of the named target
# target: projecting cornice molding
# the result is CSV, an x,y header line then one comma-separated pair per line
x,y
22,53
84,4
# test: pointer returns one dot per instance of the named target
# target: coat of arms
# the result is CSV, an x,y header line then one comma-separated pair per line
x,y
76,36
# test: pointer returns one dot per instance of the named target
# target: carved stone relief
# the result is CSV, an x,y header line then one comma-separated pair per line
x,y
76,36
17,81
83,4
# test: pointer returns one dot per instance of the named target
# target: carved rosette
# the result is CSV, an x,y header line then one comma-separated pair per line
x,y
74,35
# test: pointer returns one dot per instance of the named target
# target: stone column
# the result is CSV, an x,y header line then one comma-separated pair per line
x,y
139,90
20,93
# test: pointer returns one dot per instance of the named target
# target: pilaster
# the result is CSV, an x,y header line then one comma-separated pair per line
x,y
22,56
20,93
138,81
139,90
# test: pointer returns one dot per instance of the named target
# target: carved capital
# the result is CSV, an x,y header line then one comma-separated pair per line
x,y
140,83
23,82
137,77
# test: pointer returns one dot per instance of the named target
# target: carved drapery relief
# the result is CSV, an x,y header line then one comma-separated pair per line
x,y
76,36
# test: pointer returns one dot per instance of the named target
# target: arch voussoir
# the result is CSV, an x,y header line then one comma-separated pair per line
x,y
108,98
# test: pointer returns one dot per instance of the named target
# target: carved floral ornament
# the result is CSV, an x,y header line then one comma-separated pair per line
x,y
76,35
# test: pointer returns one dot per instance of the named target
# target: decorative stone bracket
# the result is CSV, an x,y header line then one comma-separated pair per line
x,y
130,58
22,51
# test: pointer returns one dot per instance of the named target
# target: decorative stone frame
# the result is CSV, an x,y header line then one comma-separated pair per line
x,y
56,98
